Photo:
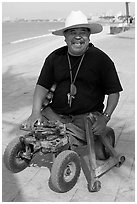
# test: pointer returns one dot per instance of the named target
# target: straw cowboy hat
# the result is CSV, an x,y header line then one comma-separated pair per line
x,y
77,19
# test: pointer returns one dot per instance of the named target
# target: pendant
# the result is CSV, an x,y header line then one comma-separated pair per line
x,y
73,89
70,97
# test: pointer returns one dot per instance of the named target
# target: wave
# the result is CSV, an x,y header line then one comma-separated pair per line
x,y
31,38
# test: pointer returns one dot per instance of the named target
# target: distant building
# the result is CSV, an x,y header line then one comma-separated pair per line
x,y
6,18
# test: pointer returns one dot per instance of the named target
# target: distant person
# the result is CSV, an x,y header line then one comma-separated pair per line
x,y
83,75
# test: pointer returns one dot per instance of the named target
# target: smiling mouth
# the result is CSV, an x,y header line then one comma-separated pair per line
x,y
78,44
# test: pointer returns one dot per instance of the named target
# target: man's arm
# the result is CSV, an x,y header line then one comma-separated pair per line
x,y
112,102
101,121
38,99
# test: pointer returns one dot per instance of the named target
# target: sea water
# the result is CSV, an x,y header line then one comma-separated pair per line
x,y
17,36
18,31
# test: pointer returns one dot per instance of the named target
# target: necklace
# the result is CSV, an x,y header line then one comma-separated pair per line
x,y
73,89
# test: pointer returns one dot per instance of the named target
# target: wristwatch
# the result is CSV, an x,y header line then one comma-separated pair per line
x,y
107,116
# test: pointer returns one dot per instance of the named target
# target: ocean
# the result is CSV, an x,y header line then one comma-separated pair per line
x,y
14,32
17,36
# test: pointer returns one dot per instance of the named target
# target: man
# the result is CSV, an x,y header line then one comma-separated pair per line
x,y
83,75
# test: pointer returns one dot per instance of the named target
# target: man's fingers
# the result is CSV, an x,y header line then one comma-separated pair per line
x,y
24,126
28,125
94,125
96,130
38,122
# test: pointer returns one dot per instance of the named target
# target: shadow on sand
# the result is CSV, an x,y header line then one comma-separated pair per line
x,y
10,186
17,91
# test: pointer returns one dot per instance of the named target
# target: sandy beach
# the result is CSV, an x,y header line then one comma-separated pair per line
x,y
20,70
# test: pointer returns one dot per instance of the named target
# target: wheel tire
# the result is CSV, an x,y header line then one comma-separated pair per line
x,y
12,160
65,171
121,161
96,187
101,151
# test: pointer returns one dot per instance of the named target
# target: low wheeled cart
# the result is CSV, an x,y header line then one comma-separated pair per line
x,y
53,138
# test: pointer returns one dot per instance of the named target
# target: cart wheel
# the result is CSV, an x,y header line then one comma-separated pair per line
x,y
122,159
65,171
12,156
101,151
96,187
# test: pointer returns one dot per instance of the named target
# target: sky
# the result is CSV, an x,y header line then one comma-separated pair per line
x,y
51,10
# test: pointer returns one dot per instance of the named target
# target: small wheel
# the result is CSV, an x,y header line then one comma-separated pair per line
x,y
12,156
96,187
65,171
122,159
101,151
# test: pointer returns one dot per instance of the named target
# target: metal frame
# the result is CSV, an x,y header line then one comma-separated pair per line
x,y
88,158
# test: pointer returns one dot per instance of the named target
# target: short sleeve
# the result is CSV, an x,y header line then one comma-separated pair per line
x,y
110,79
45,78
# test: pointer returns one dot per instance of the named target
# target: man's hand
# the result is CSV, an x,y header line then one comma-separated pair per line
x,y
99,125
38,99
29,123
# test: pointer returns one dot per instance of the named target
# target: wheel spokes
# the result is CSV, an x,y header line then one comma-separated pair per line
x,y
69,172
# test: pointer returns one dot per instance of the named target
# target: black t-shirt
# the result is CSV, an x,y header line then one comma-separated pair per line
x,y
96,78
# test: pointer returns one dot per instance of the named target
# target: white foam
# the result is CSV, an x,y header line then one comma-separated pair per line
x,y
26,39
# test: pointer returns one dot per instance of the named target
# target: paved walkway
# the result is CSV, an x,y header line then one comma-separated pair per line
x,y
31,185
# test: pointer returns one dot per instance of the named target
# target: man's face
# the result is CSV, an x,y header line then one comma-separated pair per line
x,y
77,40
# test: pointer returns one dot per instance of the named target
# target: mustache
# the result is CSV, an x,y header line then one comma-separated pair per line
x,y
78,41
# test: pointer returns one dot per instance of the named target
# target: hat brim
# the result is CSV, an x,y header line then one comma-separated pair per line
x,y
94,28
